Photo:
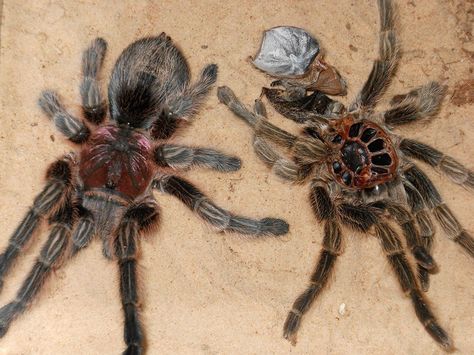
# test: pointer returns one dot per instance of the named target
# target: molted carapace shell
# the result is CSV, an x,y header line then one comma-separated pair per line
x,y
286,52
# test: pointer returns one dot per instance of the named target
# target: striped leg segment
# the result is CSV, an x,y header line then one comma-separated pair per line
x,y
180,157
51,253
135,221
440,210
93,103
71,127
324,210
58,184
385,66
393,249
215,215
418,104
457,172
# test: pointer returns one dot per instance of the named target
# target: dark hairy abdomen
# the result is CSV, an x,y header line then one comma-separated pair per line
x,y
147,73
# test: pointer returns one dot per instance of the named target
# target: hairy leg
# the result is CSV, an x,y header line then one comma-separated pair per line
x,y
415,243
426,228
419,103
447,165
181,157
135,221
51,253
385,66
260,125
215,215
393,249
93,102
188,104
74,129
441,211
324,210
59,180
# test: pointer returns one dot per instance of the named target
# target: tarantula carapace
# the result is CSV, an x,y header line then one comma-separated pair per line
x,y
361,174
107,188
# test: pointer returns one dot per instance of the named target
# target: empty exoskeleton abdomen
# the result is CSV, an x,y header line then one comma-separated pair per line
x,y
117,158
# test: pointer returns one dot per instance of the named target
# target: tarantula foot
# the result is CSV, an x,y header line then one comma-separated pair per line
x,y
440,335
424,258
291,326
274,226
133,349
211,72
225,95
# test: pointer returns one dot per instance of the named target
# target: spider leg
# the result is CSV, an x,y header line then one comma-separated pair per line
x,y
426,228
420,103
414,240
215,215
93,102
261,127
136,220
52,251
449,166
188,104
441,211
74,129
181,157
83,231
59,178
323,208
384,67
394,251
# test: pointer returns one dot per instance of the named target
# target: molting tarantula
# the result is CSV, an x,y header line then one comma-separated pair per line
x,y
107,188
362,175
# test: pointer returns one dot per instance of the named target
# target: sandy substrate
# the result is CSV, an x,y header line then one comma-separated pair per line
x,y
206,293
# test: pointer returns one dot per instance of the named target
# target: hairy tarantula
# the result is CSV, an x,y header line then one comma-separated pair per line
x,y
107,188
362,176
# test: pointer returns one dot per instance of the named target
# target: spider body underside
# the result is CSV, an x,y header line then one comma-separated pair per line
x,y
107,188
361,173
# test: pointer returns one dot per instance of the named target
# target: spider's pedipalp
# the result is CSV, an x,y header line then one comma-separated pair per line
x,y
74,129
418,104
457,172
58,185
55,247
441,211
393,248
181,157
94,106
385,66
215,215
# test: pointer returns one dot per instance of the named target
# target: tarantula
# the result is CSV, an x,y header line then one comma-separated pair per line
x,y
107,188
361,175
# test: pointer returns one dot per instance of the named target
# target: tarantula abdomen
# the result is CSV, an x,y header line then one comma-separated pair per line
x,y
364,154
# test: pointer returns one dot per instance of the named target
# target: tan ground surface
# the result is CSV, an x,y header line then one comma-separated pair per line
x,y
206,293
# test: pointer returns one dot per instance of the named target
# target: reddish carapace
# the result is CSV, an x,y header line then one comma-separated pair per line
x,y
365,157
